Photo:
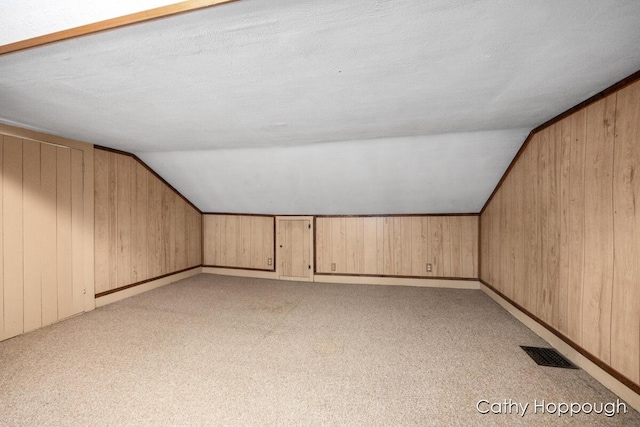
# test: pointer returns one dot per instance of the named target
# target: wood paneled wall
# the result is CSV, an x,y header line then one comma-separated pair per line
x,y
398,246
239,241
44,240
561,236
143,228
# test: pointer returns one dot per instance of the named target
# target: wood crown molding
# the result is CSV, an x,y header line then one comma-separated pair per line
x,y
109,24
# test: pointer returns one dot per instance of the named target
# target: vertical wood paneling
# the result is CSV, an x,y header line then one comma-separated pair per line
x,y
154,227
239,241
143,229
352,246
323,245
436,245
370,243
599,229
210,239
65,270
49,243
472,243
446,247
124,205
112,212
12,225
33,213
2,334
418,256
543,298
553,226
77,232
181,236
580,242
398,245
268,241
625,319
244,247
576,221
255,246
563,168
405,247
455,244
43,251
101,223
139,223
338,244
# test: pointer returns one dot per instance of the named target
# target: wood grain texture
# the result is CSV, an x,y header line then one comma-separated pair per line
x,y
44,242
101,224
2,336
398,245
598,280
124,217
239,241
572,195
140,190
49,243
143,229
294,237
12,224
625,319
65,271
33,214
576,221
77,232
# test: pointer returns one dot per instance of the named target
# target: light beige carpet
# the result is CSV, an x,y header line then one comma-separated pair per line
x,y
215,350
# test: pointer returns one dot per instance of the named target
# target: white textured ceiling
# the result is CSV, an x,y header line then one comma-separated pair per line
x,y
354,107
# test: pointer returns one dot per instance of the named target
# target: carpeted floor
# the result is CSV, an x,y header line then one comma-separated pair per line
x,y
215,350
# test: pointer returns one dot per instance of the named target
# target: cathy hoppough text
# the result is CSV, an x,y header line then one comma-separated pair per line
x,y
509,407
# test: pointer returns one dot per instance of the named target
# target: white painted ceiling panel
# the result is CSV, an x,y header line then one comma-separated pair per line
x,y
243,105
382,176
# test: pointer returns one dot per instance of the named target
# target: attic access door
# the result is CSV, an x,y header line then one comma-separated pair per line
x,y
295,249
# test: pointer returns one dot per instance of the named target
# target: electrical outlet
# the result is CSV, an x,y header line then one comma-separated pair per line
x,y
269,261
333,266
429,269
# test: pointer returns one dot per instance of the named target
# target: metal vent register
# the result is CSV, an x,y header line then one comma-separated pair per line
x,y
548,357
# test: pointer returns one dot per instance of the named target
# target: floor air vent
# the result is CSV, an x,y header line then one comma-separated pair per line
x,y
548,357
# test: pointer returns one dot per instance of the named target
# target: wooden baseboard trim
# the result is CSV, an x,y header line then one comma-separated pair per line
x,y
239,268
430,282
256,274
607,376
469,279
114,295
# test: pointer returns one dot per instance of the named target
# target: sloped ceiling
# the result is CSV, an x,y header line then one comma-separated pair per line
x,y
307,107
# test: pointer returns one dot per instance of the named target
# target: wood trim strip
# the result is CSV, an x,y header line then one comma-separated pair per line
x,y
617,375
315,252
606,92
122,288
239,268
275,244
398,215
470,279
136,158
238,214
109,24
342,216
